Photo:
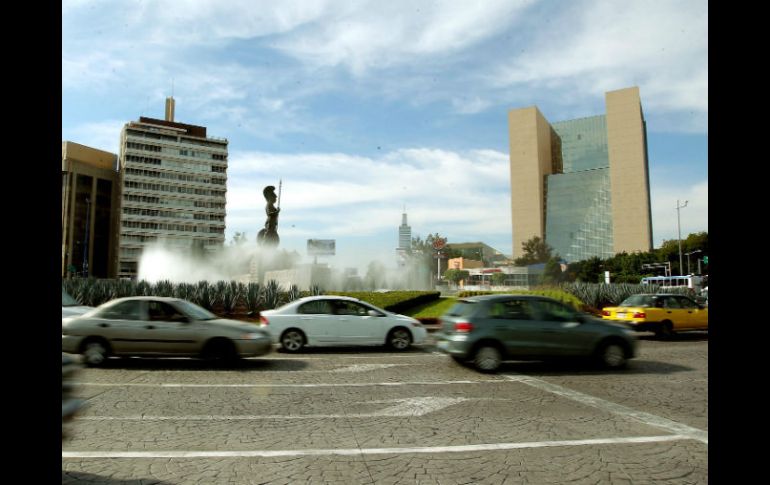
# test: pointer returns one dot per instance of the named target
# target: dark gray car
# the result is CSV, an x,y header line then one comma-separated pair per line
x,y
487,330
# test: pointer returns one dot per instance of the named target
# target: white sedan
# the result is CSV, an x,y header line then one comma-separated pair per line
x,y
339,320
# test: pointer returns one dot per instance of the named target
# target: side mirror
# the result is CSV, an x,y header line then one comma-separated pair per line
x,y
373,313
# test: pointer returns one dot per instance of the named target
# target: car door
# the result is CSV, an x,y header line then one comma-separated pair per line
x,y
673,311
122,325
512,323
314,319
560,332
353,325
697,317
169,331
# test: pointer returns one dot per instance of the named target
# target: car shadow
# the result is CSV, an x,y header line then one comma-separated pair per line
x,y
695,336
584,368
352,349
73,478
184,364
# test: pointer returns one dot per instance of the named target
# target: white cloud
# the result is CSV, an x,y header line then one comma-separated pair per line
x,y
692,218
104,135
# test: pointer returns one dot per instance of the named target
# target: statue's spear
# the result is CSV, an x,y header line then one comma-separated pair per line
x,y
280,182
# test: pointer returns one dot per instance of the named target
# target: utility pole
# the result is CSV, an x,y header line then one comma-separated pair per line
x,y
679,232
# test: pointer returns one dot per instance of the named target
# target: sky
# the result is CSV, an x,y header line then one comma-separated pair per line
x,y
363,109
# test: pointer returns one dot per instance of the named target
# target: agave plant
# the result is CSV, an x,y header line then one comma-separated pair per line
x,y
272,294
204,295
164,288
254,298
185,291
231,293
316,290
293,293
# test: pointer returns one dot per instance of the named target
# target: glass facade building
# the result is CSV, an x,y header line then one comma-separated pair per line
x,y
578,200
583,184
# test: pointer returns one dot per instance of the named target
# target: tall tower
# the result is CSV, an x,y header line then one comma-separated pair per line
x,y
583,184
404,234
404,240
173,180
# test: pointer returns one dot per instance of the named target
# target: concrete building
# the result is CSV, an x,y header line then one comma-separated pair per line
x,y
582,185
173,183
89,213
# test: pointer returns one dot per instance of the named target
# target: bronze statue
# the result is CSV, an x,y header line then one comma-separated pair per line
x,y
269,235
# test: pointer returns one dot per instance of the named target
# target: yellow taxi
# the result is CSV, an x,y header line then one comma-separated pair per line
x,y
663,314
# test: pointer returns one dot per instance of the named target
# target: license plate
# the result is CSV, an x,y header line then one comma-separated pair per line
x,y
620,315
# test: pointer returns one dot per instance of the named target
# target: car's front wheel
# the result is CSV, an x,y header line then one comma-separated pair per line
x,y
399,339
220,350
292,340
612,355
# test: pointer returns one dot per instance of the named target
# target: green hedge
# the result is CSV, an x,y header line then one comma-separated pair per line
x,y
394,301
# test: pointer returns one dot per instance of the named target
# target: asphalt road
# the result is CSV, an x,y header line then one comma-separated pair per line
x,y
369,415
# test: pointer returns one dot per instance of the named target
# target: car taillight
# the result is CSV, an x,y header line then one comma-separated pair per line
x,y
640,315
606,313
463,327
263,322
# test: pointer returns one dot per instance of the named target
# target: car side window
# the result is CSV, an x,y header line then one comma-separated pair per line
x,y
554,312
160,311
671,302
685,302
510,310
319,307
349,308
126,310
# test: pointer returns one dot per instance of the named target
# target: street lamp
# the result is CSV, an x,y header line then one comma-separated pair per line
x,y
679,231
688,259
85,244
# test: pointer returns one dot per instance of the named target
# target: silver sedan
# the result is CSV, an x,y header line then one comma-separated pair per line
x,y
157,326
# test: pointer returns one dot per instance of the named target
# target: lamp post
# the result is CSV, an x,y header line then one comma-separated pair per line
x,y
85,245
688,259
679,232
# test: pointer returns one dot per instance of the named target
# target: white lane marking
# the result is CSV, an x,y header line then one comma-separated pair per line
x,y
646,418
362,384
410,407
365,367
368,451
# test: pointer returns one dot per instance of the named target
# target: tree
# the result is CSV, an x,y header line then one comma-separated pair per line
x,y
552,271
456,275
535,251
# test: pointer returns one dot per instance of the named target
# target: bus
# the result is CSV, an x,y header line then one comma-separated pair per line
x,y
692,282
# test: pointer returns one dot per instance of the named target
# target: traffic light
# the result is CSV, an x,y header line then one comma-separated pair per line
x,y
705,260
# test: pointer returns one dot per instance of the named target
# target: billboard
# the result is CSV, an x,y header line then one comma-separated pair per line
x,y
320,247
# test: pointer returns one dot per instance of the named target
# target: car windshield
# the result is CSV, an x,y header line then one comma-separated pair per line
x,y
637,300
194,311
67,300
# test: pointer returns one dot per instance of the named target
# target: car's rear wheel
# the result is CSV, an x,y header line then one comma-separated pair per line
x,y
95,352
292,340
399,339
612,355
487,358
665,330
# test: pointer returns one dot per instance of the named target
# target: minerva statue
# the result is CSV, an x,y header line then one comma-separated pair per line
x,y
269,235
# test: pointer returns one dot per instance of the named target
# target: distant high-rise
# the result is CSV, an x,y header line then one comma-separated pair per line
x,y
88,211
582,185
404,234
404,241
173,182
